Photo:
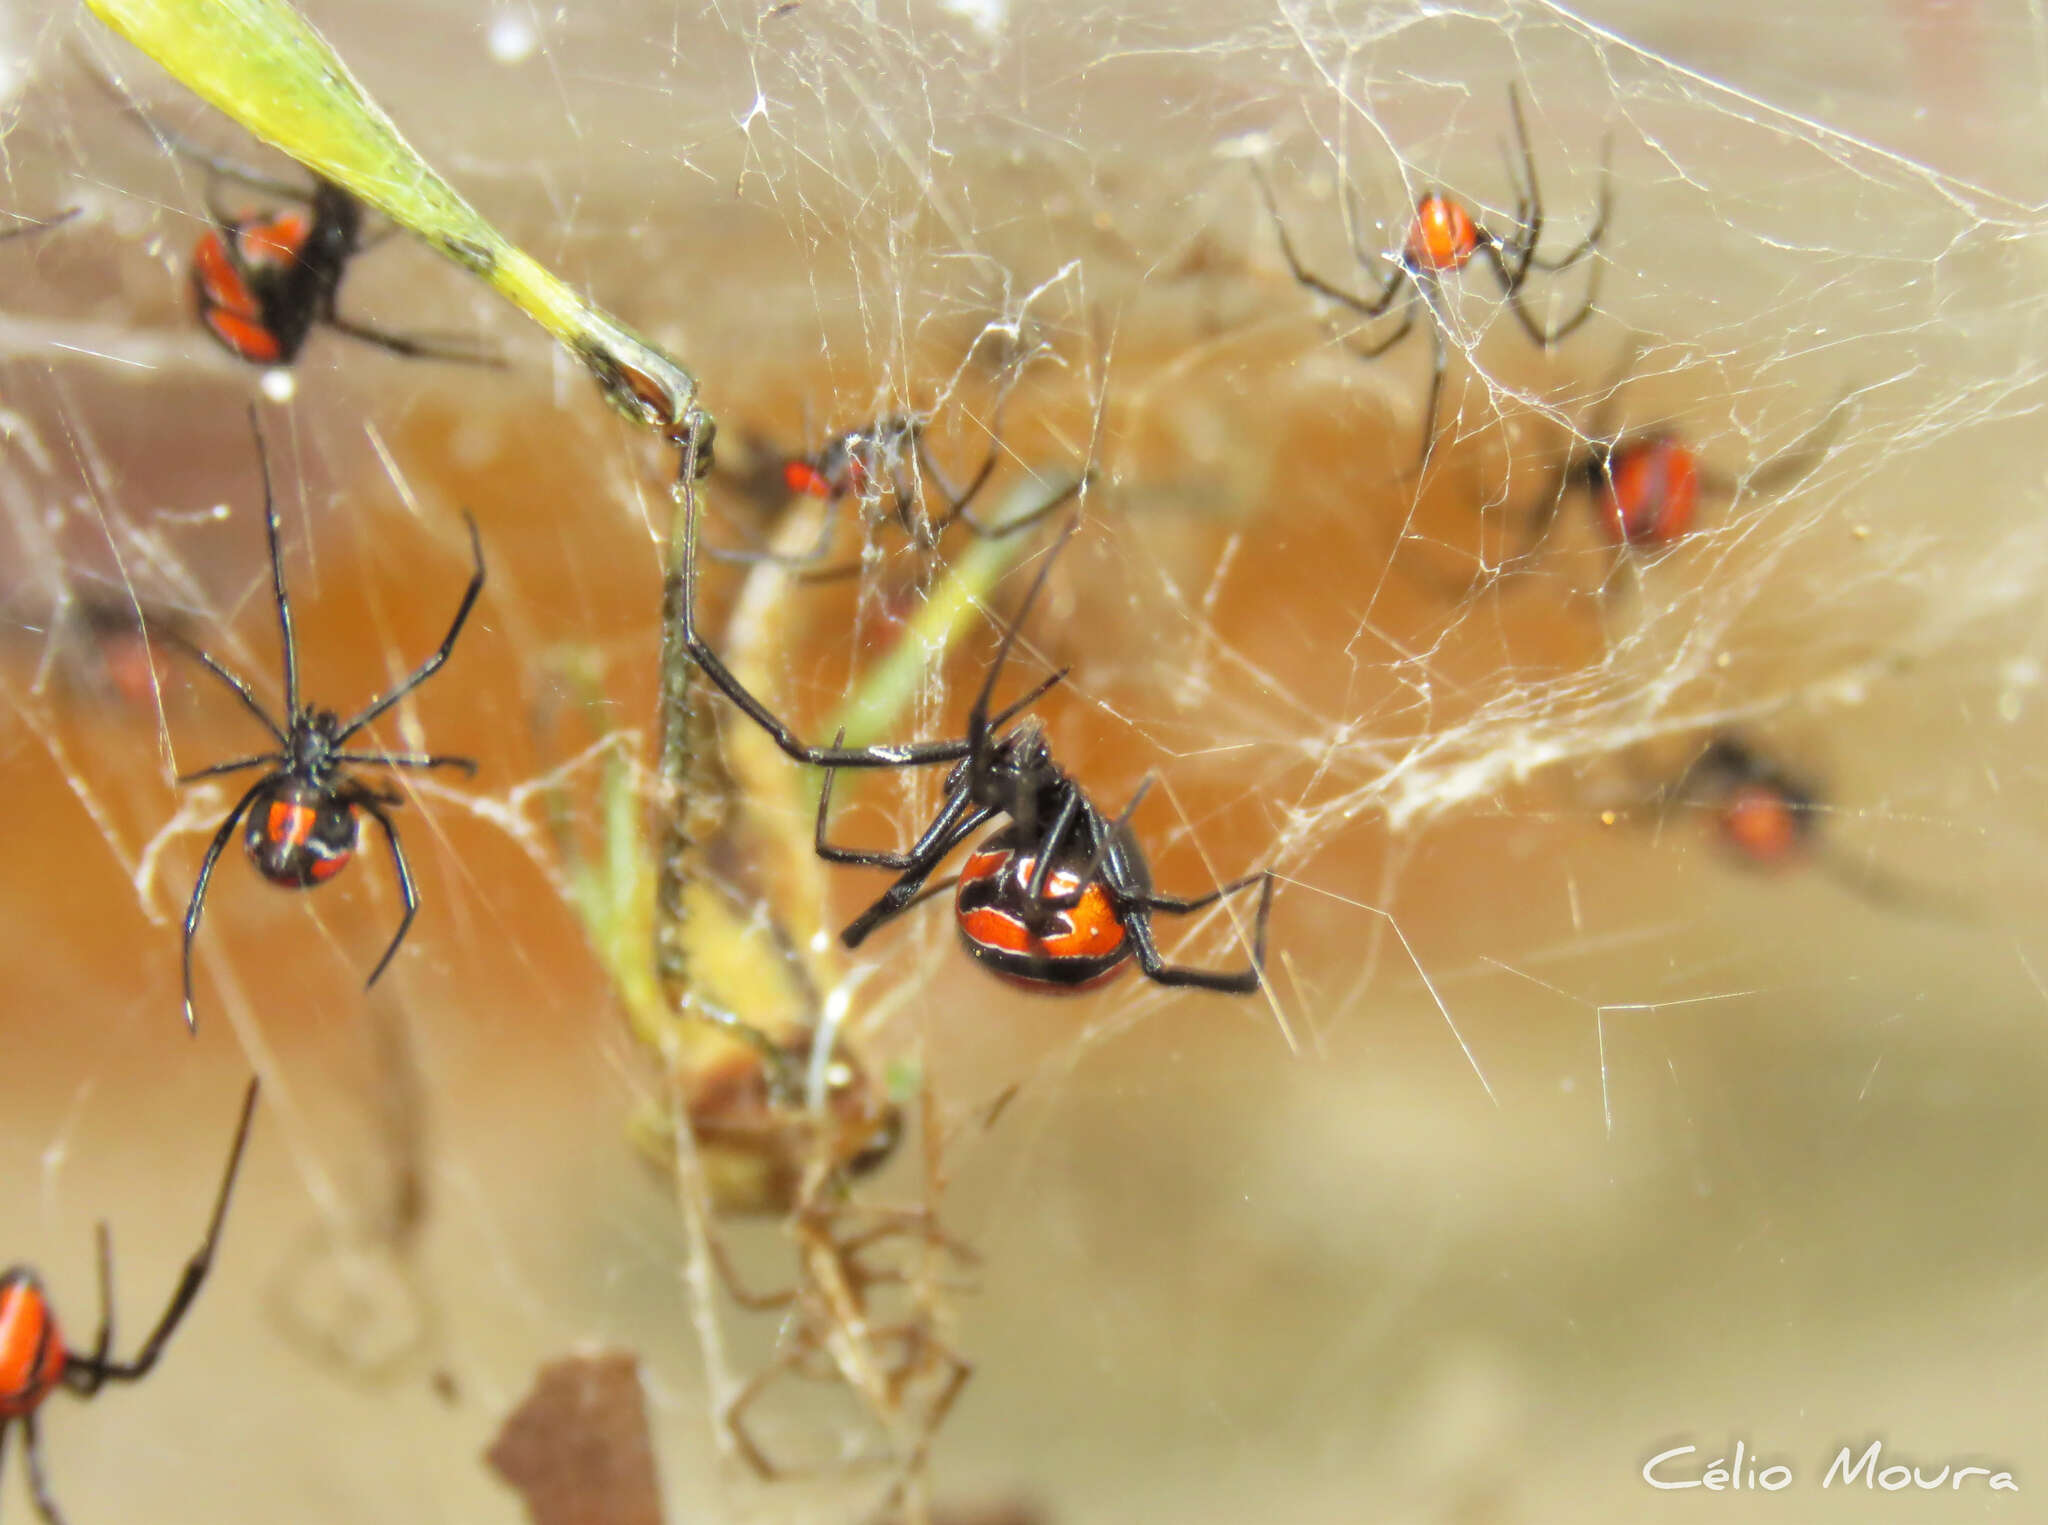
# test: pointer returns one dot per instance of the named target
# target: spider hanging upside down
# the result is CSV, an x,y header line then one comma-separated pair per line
x,y
1060,899
1442,239
262,283
303,821
34,1362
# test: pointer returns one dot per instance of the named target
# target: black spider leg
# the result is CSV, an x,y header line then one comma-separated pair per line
x,y
1512,260
1588,467
452,348
284,603
961,510
804,563
30,225
1375,306
374,803
1418,287
979,724
38,1485
198,901
93,1371
956,821
1137,903
433,663
917,754
1789,465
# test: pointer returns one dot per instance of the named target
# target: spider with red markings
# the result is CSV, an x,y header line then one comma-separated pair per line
x,y
1442,239
1766,815
884,463
34,1361
263,282
305,812
1646,485
1059,899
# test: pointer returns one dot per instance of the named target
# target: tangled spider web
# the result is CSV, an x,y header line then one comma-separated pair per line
x,y
1558,1130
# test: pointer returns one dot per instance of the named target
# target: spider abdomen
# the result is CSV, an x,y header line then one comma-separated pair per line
x,y
1073,939
32,1354
1443,237
300,835
1649,490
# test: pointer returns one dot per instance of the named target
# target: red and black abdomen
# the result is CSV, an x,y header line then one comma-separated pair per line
x,y
1649,490
298,836
1071,940
258,285
32,1354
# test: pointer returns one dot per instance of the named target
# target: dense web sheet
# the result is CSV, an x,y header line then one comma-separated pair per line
x,y
1559,1129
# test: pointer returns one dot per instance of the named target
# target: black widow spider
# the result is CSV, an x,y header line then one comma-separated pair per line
x,y
1442,239
302,813
1060,898
263,282
33,1360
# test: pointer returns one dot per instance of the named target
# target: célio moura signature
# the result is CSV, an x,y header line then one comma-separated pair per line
x,y
1680,1467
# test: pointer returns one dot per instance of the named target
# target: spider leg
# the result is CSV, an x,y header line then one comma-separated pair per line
x,y
198,903
1785,469
957,500
455,349
284,603
944,826
1439,360
1025,520
1180,905
907,890
828,528
268,759
432,665
1366,307
680,614
177,143
1138,925
239,684
407,760
1598,230
194,1277
788,1359
978,722
1071,809
38,1485
406,891
84,1374
30,225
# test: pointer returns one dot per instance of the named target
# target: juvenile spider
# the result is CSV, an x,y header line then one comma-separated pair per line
x,y
1442,239
34,1362
885,463
1060,898
303,812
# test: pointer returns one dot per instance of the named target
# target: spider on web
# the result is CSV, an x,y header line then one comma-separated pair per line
x,y
1442,239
